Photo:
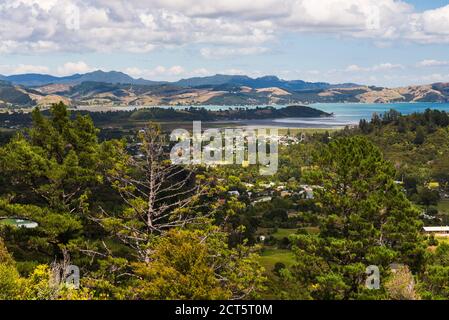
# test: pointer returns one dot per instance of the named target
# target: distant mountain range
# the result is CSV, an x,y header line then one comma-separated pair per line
x,y
257,83
35,80
118,89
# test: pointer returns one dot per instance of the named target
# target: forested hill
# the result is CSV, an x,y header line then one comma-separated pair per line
x,y
191,114
171,114
418,144
14,95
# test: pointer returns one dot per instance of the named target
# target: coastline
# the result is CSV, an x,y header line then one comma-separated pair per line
x,y
279,124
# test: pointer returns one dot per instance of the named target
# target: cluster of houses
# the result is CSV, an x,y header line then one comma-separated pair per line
x,y
287,140
265,192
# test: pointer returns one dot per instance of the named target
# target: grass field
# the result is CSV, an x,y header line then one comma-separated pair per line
x,y
312,230
442,240
270,256
295,131
283,233
443,206
11,222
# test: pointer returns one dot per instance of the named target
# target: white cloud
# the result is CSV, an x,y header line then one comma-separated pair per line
x,y
143,26
23,68
241,72
378,67
70,68
387,66
355,68
251,10
175,70
432,63
430,26
159,72
201,72
131,26
167,73
357,18
44,4
434,77
134,72
221,52
234,71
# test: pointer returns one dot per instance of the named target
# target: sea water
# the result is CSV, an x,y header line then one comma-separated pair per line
x,y
343,113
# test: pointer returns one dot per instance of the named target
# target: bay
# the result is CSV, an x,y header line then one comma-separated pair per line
x,y
343,113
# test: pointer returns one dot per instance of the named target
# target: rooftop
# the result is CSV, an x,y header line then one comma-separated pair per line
x,y
436,229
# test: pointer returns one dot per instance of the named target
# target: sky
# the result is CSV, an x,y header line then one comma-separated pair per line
x,y
375,42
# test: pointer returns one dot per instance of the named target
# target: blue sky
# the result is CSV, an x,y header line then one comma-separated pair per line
x,y
376,42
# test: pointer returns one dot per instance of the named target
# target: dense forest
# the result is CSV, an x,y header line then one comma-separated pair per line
x,y
180,114
140,227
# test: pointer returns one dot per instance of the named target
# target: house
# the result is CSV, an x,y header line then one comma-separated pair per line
x,y
264,199
248,185
441,231
306,192
280,188
267,185
285,194
292,213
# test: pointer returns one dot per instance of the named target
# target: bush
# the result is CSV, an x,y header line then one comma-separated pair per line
x,y
278,267
432,241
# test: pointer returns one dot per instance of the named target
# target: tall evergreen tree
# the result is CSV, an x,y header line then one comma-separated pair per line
x,y
364,219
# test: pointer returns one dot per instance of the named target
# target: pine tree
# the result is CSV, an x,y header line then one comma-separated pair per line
x,y
364,219
420,136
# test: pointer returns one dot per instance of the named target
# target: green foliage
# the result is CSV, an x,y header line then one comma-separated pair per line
x,y
54,229
364,219
40,285
434,280
427,197
278,267
10,283
143,228
196,265
56,161
5,257
420,136
54,174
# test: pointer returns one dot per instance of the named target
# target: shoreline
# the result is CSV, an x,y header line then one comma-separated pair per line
x,y
294,123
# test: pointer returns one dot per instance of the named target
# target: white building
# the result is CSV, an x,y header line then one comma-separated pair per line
x,y
437,230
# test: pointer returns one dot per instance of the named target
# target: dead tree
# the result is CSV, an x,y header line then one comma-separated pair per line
x,y
157,194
